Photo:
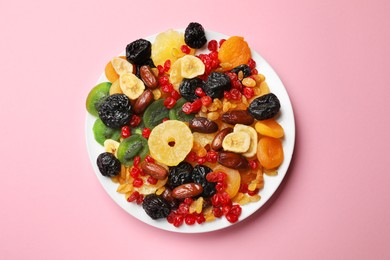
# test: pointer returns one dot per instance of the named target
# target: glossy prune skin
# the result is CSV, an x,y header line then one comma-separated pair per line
x,y
156,206
246,70
138,51
188,86
216,84
115,111
180,174
199,176
108,164
264,107
194,35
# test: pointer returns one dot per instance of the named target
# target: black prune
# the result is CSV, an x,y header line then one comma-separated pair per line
x,y
188,86
199,176
180,174
115,111
138,51
216,84
264,107
108,164
246,70
194,36
156,206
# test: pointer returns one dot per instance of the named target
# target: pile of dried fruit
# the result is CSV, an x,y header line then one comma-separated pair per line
x,y
187,135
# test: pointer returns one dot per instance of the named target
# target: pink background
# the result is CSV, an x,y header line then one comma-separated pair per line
x,y
333,57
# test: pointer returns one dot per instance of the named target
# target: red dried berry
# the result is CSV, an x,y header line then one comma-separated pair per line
x,y
183,209
149,159
235,94
200,218
133,197
253,193
227,95
140,199
217,212
146,132
178,220
135,171
254,72
136,161
221,186
165,119
196,106
236,210
211,156
248,92
226,209
206,100
243,188
138,182
167,88
175,94
169,102
251,63
253,164
199,92
125,131
201,160
212,45
160,70
192,157
163,80
185,49
231,217
152,180
187,108
190,219
167,65
221,42
135,121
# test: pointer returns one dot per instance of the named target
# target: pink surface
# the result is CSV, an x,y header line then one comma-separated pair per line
x,y
332,57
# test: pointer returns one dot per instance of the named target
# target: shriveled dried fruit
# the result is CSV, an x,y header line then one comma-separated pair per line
x,y
188,86
246,70
156,206
199,176
180,174
115,111
108,164
264,107
216,84
194,36
138,51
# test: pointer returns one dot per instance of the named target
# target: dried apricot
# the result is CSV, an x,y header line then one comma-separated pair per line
x,y
110,72
234,52
270,152
269,127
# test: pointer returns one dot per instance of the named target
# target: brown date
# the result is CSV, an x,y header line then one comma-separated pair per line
x,y
216,144
148,77
187,190
203,125
156,171
238,117
143,101
233,160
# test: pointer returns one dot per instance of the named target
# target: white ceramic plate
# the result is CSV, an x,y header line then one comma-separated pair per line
x,y
286,119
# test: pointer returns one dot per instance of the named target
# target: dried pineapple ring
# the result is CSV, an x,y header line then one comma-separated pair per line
x,y
170,142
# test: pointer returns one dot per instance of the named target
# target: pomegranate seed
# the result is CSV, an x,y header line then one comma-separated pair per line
x,y
171,217
201,160
226,209
206,101
138,182
217,212
178,220
137,160
214,56
169,102
163,80
231,217
183,209
190,219
232,76
215,64
253,164
200,218
167,65
221,186
235,94
253,193
133,196
199,92
167,88
221,42
160,70
146,132
165,119
140,199
236,210
135,120
212,45
187,108
237,85
175,95
254,72
211,156
185,49
149,159
196,106
216,176
152,180
135,171
243,188
248,92
126,131
188,201
192,157
227,95
141,172
251,63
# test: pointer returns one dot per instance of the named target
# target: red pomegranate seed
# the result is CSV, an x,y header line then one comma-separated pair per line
x,y
152,180
192,157
231,217
200,218
227,95
160,70
253,164
211,156
254,72
226,209
251,63
165,119
167,88
201,160
212,45
167,65
141,172
175,94
243,188
135,120
140,199
137,160
171,217
133,196
248,92
196,106
237,85
235,94
185,49
163,80
253,193
206,101
169,102
214,56
188,201
138,182
135,171
199,92
236,209
183,209
190,219
126,131
149,159
217,212
178,220
221,186
187,108
221,42
146,132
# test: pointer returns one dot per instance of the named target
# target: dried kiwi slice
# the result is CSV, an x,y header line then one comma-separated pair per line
x,y
176,113
102,132
131,147
155,113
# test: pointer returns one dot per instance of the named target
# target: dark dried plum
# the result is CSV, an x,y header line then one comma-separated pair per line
x,y
199,176
246,70
180,174
156,206
138,51
194,36
108,164
264,107
216,84
115,111
188,86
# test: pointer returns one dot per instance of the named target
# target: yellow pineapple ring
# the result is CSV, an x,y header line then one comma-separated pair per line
x,y
170,142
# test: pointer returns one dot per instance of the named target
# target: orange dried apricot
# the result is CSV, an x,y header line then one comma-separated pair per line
x,y
270,152
234,52
269,127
